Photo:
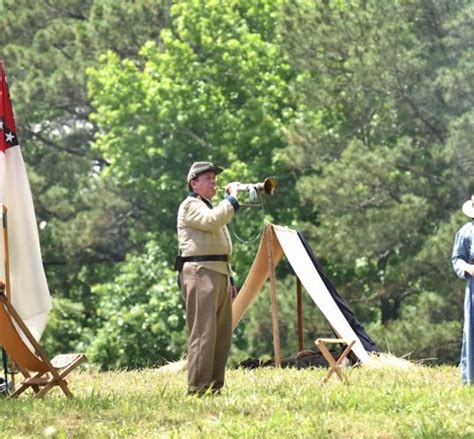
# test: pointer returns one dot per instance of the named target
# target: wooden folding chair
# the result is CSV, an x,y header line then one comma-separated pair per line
x,y
334,364
47,373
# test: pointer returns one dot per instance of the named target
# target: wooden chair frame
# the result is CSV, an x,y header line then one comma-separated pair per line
x,y
47,373
28,355
334,363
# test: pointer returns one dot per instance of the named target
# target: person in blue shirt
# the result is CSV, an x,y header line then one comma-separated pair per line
x,y
463,264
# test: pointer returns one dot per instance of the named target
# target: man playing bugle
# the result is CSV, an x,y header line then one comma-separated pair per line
x,y
205,276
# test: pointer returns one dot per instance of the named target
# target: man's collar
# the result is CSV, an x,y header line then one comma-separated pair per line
x,y
205,200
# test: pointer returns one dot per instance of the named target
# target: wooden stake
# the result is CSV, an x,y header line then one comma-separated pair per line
x,y
299,311
273,297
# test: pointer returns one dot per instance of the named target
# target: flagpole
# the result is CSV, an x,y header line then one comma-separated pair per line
x,y
7,287
5,368
4,354
6,252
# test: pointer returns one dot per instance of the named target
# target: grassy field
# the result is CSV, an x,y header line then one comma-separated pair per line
x,y
420,402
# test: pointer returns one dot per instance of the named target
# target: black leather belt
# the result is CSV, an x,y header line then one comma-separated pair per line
x,y
180,260
205,258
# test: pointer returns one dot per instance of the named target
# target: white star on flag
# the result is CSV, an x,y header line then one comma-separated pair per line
x,y
10,137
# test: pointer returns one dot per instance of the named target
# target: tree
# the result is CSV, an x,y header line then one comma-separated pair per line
x,y
215,89
141,314
47,46
52,109
380,142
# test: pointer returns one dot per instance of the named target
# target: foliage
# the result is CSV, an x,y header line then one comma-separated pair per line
x,y
422,333
52,107
47,46
420,402
65,329
374,139
142,315
214,89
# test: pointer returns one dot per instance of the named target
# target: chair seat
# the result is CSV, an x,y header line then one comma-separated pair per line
x,y
62,361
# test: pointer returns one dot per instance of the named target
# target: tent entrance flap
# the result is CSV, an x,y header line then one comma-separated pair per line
x,y
287,242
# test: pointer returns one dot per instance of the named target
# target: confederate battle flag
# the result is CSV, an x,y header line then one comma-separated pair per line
x,y
28,285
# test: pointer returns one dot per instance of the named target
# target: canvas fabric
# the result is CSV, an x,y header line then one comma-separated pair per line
x,y
29,288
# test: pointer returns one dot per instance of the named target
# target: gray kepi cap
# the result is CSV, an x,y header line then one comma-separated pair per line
x,y
198,168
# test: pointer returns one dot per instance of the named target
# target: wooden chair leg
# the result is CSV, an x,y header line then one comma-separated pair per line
x,y
24,387
64,372
56,378
19,391
61,383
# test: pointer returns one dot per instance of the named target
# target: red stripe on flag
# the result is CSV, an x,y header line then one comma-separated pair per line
x,y
8,136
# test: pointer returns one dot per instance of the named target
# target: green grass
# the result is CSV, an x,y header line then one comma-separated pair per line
x,y
421,402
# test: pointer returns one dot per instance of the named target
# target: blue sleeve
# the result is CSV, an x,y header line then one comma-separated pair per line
x,y
232,200
461,254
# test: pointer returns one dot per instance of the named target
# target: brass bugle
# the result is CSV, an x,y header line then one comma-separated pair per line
x,y
268,186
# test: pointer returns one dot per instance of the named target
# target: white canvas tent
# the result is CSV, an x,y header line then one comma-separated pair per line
x,y
275,243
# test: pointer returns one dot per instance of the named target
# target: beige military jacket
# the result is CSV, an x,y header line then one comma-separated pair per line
x,y
202,230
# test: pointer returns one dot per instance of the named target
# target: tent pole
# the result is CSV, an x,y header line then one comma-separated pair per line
x,y
273,296
299,311
7,286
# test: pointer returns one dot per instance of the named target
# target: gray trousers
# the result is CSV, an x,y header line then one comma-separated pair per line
x,y
209,317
